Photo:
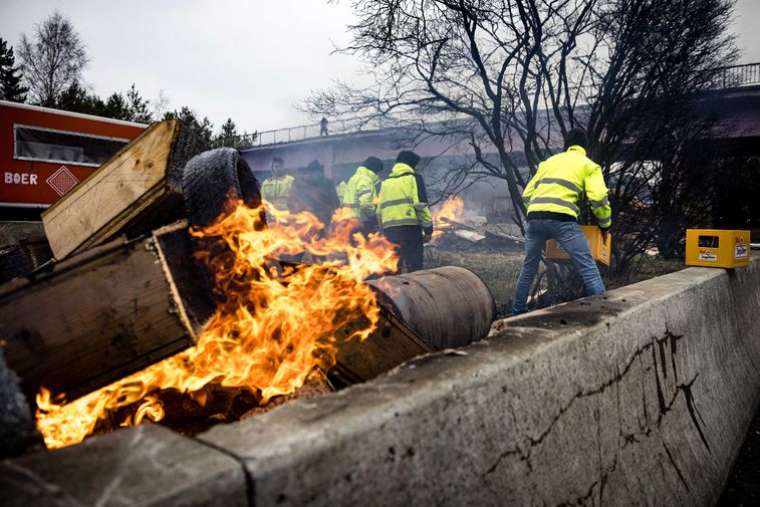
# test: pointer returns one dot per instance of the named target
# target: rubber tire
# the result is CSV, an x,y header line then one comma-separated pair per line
x,y
213,176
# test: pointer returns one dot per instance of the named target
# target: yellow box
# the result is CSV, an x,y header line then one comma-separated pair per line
x,y
717,248
601,251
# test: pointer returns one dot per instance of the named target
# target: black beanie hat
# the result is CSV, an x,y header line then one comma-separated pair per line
x,y
374,164
408,157
314,165
576,137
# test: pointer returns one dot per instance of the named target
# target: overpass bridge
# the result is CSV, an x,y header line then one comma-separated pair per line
x,y
734,99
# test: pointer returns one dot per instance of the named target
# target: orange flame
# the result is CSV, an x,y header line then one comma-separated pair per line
x,y
451,209
274,325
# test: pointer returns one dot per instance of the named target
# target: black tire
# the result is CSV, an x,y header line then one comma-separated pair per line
x,y
213,176
17,431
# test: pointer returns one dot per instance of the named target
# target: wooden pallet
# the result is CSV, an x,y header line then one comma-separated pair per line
x,y
100,315
135,191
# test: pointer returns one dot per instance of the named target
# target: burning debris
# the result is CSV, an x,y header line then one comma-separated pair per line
x,y
226,318
274,325
455,226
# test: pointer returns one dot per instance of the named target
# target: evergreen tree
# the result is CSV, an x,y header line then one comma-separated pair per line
x,y
10,75
116,106
75,98
229,136
138,106
203,128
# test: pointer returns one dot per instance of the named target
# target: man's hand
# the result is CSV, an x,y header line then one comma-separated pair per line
x,y
427,235
605,234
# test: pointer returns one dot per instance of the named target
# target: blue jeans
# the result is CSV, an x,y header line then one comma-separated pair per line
x,y
571,238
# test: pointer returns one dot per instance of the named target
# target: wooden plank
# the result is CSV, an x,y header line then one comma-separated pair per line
x,y
135,191
92,320
191,285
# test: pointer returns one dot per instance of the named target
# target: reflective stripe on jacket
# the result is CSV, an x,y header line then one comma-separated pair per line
x,y
276,191
560,182
402,201
361,194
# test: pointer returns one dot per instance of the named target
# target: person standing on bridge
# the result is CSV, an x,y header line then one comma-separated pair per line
x,y
403,212
361,194
552,198
276,189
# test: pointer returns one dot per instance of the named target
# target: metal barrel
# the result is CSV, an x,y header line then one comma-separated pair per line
x,y
446,307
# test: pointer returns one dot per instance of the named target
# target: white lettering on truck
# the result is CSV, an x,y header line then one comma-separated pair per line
x,y
10,178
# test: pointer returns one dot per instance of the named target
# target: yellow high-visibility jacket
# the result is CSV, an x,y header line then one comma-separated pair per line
x,y
361,194
402,201
276,190
560,182
341,191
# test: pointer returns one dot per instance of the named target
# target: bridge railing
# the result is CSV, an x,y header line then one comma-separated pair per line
x,y
733,76
313,130
736,76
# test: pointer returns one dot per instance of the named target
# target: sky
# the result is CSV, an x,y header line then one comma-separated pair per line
x,y
249,60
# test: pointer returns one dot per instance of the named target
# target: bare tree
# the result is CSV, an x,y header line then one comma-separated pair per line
x,y
52,59
511,77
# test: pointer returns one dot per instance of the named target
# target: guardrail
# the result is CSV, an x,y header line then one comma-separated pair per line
x,y
315,130
736,76
733,76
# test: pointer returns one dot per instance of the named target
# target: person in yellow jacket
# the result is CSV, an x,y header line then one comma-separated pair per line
x,y
552,199
361,196
276,190
403,212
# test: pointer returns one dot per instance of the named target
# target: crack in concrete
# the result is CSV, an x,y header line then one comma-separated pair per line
x,y
250,483
656,345
675,467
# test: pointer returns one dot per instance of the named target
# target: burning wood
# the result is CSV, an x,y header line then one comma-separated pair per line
x,y
451,210
271,327
106,313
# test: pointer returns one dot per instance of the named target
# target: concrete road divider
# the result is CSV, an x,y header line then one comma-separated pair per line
x,y
642,396
144,466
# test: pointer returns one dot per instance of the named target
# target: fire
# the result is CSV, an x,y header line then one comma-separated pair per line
x,y
274,324
451,209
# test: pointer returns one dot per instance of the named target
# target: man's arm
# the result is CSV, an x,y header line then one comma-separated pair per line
x,y
597,194
422,208
365,196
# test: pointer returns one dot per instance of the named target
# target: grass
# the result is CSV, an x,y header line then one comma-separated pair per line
x,y
499,270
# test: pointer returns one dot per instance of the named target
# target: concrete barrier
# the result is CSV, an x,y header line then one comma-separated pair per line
x,y
137,467
643,396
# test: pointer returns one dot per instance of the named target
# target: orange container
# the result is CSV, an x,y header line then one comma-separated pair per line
x,y
601,251
717,248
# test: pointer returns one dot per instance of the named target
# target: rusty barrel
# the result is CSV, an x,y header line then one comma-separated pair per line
x,y
446,307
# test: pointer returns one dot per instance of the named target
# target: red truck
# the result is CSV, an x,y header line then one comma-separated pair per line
x,y
45,152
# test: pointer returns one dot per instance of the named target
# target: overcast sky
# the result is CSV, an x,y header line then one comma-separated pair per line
x,y
249,60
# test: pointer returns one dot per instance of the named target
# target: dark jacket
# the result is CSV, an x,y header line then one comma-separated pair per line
x,y
316,194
